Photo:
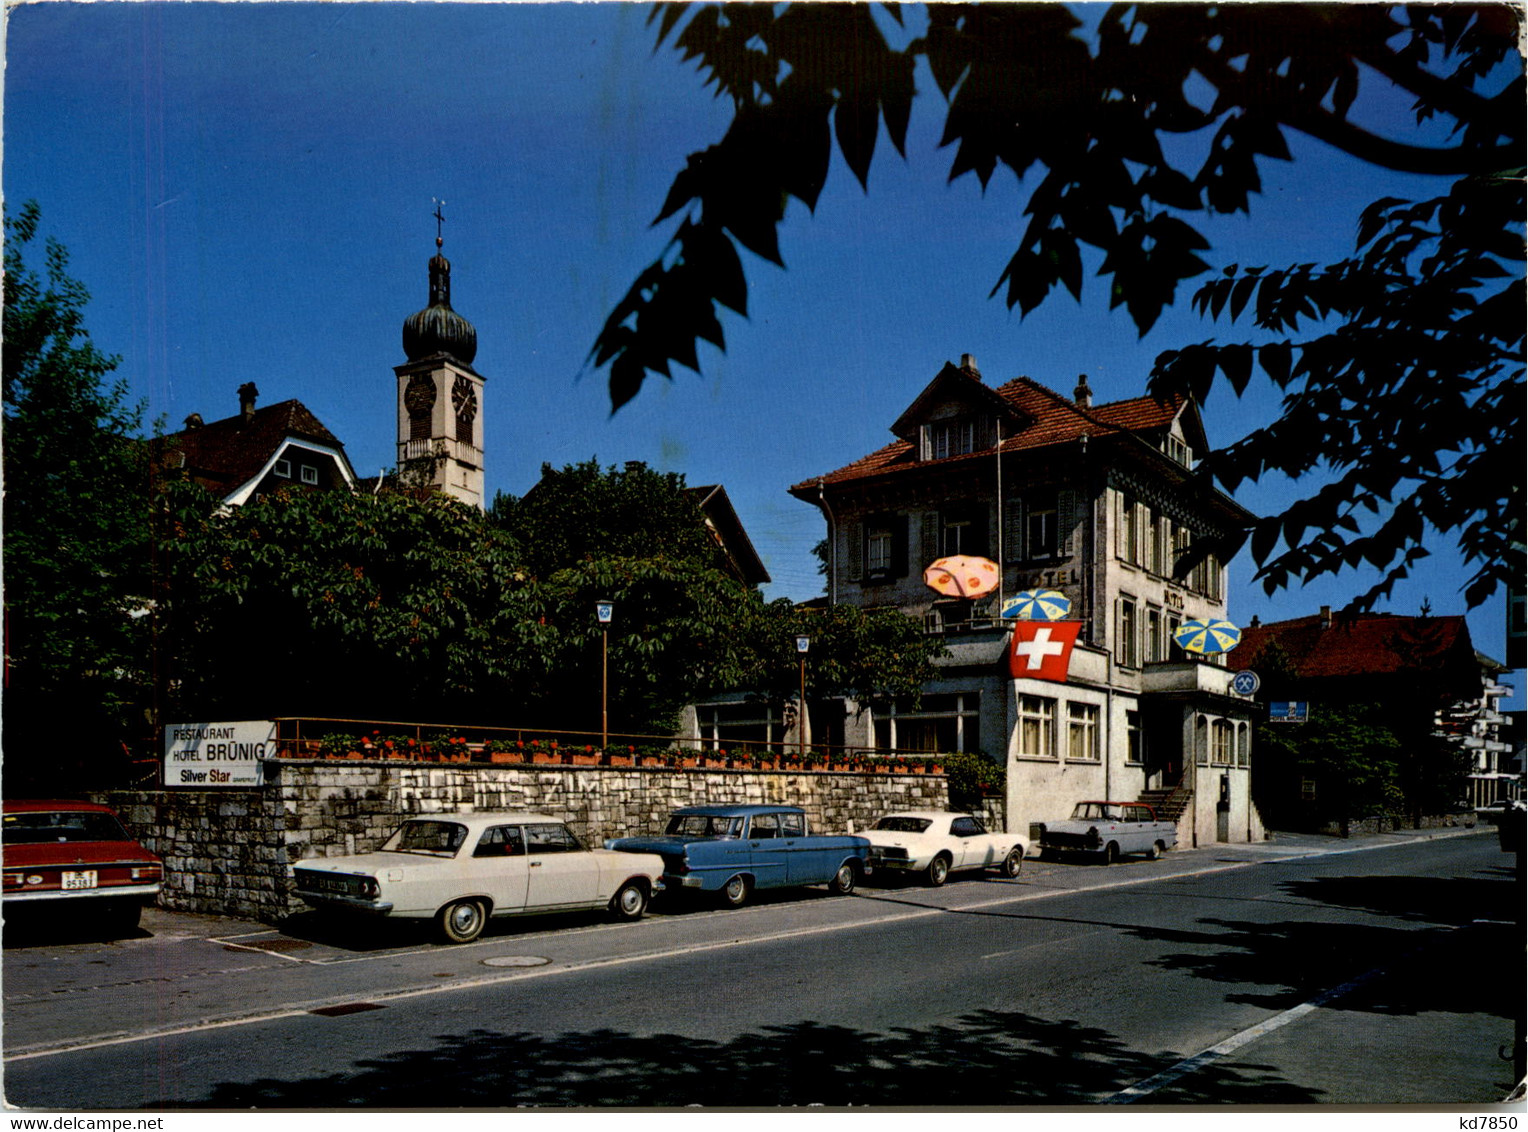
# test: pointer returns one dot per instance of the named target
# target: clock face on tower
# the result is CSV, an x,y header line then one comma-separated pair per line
x,y
419,398
464,401
464,398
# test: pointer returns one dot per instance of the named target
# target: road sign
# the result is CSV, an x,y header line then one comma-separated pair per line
x,y
1245,683
1288,711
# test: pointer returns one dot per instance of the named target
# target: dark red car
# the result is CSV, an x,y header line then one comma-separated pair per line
x,y
67,857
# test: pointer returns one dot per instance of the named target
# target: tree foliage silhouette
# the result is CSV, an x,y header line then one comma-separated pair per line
x,y
1099,117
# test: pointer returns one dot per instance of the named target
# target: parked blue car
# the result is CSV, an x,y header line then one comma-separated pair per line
x,y
733,850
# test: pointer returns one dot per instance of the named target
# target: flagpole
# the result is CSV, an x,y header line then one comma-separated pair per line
x,y
1000,523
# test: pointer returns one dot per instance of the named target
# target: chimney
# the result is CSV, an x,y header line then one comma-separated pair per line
x,y
193,421
1326,616
1256,621
247,395
1082,394
968,363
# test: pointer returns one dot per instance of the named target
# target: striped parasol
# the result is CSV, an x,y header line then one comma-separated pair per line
x,y
1207,636
1038,605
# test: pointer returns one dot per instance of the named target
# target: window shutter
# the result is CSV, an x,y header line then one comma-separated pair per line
x,y
930,538
1067,522
1013,530
925,443
856,551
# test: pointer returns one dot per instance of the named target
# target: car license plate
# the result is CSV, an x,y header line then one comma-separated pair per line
x,y
86,879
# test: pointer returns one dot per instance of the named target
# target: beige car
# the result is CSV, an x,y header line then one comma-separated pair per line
x,y
461,869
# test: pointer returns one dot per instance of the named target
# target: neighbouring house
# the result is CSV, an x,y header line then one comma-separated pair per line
x,y
257,451
1440,695
1098,502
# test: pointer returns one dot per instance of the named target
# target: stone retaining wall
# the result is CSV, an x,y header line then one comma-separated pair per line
x,y
231,852
1384,823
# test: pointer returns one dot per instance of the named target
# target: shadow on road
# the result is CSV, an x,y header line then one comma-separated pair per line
x,y
984,1058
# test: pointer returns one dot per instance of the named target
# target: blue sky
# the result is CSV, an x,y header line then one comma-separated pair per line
x,y
246,190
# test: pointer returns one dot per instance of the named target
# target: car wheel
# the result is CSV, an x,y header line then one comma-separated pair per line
x,y
1013,862
842,883
938,871
462,921
1156,851
630,902
1111,853
735,892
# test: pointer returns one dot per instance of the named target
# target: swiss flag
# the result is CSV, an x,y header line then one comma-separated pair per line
x,y
1042,650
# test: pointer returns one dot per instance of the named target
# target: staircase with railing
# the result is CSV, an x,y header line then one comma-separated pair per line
x,y
1168,803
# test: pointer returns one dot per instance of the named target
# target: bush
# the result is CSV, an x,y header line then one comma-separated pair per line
x,y
972,776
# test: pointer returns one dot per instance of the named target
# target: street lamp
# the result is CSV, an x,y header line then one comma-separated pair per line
x,y
803,643
604,611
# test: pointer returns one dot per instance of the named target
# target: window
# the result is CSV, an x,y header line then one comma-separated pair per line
x,y
1040,528
554,837
1125,650
951,438
878,548
941,723
1159,553
1135,527
308,472
765,826
283,468
963,530
500,841
1222,738
1082,731
1243,745
1201,740
1174,623
792,825
726,725
1156,647
966,827
1177,449
1037,728
1135,751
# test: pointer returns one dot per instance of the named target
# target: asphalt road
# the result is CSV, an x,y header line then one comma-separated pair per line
x,y
1388,972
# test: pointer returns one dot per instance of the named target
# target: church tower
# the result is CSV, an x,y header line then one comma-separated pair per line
x,y
440,395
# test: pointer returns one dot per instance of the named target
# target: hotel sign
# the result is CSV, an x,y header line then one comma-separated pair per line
x,y
211,755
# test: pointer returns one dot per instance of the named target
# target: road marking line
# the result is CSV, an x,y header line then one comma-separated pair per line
x,y
1237,1041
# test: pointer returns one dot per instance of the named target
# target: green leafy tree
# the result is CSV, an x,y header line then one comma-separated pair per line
x,y
583,511
341,605
1350,751
684,627
77,546
1099,119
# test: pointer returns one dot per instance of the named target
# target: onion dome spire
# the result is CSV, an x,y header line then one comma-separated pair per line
x,y
438,329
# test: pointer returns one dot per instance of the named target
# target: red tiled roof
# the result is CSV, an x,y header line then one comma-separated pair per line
x,y
1054,420
232,451
1363,644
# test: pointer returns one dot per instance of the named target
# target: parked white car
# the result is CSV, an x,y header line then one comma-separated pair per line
x,y
461,869
937,844
1109,829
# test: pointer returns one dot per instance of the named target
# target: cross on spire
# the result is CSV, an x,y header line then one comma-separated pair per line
x,y
440,219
